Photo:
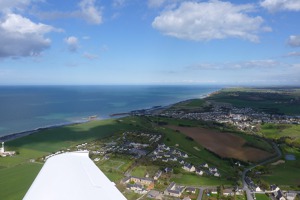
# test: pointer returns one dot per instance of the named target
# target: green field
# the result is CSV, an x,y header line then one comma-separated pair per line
x,y
289,133
261,197
288,173
196,180
15,181
141,171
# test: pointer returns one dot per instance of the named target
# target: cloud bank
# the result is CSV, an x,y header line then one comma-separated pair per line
x,y
205,21
294,41
20,37
281,5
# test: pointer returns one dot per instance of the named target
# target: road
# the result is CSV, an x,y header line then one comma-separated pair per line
x,y
245,185
200,193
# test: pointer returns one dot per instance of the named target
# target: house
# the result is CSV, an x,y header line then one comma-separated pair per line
x,y
137,188
257,189
168,170
174,190
274,188
290,195
204,165
217,174
189,167
277,192
199,172
173,158
228,192
213,169
165,159
153,194
186,198
279,195
181,161
157,175
191,190
141,181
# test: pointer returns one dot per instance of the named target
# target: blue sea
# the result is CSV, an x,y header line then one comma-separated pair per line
x,y
24,108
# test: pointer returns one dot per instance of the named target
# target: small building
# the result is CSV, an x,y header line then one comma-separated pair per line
x,y
257,189
199,172
157,175
228,192
153,194
174,190
191,190
4,153
290,195
204,165
189,167
168,170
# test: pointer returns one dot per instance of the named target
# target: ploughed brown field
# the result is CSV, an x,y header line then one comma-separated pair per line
x,y
226,145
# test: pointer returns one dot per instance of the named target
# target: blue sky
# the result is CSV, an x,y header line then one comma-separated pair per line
x,y
48,42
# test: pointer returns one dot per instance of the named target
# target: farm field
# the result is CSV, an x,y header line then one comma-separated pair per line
x,y
224,144
199,154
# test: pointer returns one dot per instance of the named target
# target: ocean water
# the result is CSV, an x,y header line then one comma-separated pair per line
x,y
25,108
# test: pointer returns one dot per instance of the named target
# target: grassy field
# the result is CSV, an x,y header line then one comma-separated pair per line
x,y
261,197
196,180
15,181
141,171
289,132
287,173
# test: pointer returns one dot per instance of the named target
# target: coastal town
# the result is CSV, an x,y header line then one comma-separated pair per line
x,y
244,119
148,146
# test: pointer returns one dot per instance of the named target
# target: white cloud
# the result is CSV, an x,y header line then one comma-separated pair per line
x,y
8,6
210,20
90,12
87,11
72,43
293,54
20,36
252,64
294,41
279,5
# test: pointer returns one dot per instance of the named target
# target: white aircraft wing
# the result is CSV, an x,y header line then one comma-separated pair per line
x,y
72,176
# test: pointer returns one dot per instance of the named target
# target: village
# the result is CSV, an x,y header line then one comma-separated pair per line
x,y
244,119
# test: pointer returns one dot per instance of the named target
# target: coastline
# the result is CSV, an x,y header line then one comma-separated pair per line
x,y
17,135
21,134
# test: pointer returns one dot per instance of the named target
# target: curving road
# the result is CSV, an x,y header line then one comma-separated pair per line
x,y
245,185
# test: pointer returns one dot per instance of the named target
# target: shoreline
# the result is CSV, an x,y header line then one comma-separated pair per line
x,y
21,134
17,135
